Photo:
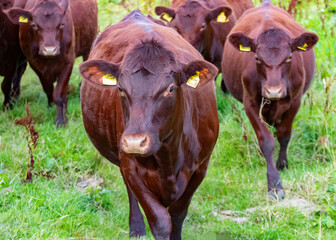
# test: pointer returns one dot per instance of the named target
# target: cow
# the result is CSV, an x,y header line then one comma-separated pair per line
x,y
268,64
205,24
149,106
12,61
52,35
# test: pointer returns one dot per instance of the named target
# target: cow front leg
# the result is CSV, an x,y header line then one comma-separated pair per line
x,y
178,210
6,87
284,131
157,215
20,69
136,222
59,95
266,144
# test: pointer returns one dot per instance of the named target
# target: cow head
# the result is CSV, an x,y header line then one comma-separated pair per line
x,y
273,51
150,87
5,4
46,22
193,21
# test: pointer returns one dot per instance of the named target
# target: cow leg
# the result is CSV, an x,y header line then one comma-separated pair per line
x,y
266,143
6,87
48,88
157,215
178,210
60,95
21,67
136,222
284,130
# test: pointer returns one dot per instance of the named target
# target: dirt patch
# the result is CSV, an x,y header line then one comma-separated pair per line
x,y
94,182
243,216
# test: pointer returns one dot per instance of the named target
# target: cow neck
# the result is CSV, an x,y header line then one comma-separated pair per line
x,y
169,152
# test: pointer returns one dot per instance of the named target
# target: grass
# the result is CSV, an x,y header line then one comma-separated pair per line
x,y
56,208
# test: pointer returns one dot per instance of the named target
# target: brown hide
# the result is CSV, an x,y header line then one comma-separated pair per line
x,y
52,34
196,21
160,131
269,58
12,61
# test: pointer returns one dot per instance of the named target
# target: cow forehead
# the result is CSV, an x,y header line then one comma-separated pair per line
x,y
143,84
273,46
47,9
190,9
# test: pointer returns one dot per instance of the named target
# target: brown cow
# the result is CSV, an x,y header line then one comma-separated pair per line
x,y
142,112
205,24
268,64
52,35
12,61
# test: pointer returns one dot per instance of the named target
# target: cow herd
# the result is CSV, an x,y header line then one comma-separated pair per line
x,y
148,91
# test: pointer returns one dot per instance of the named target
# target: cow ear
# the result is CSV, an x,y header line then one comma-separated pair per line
x,y
242,42
19,16
167,14
304,42
100,72
197,73
157,21
220,14
64,4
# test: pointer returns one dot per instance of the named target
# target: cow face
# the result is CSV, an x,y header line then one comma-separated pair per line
x,y
46,22
193,21
151,93
273,51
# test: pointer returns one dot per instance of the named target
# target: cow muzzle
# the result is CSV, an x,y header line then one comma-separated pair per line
x,y
135,144
274,92
50,51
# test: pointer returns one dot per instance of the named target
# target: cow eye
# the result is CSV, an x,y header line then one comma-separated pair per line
x,y
35,28
258,60
120,89
169,90
289,59
203,26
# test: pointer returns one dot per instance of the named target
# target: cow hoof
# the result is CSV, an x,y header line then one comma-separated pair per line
x,y
60,123
137,233
277,194
282,164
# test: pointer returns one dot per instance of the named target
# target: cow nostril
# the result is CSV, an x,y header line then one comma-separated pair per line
x,y
124,142
144,142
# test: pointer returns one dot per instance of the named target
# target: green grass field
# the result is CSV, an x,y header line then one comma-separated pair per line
x,y
232,201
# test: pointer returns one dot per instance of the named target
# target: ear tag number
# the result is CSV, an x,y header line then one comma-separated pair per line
x,y
167,17
194,80
109,80
23,19
304,47
244,49
222,18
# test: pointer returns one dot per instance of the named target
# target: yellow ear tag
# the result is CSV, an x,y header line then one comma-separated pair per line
x,y
194,80
244,49
167,17
109,80
23,19
222,18
304,47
